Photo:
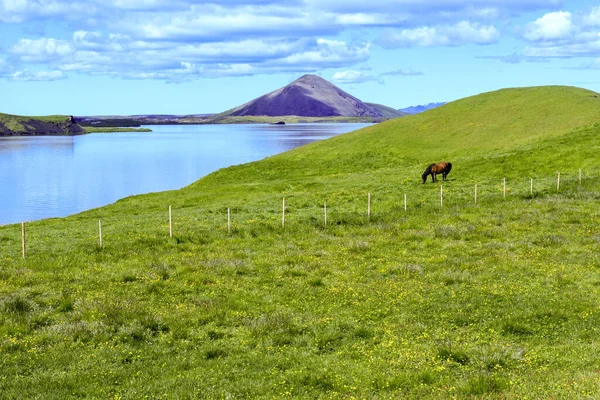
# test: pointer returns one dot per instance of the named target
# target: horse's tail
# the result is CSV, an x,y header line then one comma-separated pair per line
x,y
427,172
448,168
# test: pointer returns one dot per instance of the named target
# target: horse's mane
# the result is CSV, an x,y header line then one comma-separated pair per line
x,y
427,171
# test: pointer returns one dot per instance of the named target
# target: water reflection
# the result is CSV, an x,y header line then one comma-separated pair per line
x,y
57,176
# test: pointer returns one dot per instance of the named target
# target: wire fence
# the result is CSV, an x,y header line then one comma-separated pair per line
x,y
315,210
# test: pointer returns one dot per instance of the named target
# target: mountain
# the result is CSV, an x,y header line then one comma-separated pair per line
x,y
308,96
419,109
16,125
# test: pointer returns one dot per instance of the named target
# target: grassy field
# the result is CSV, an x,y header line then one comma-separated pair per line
x,y
110,129
494,300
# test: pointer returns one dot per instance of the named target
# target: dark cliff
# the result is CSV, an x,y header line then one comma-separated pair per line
x,y
14,125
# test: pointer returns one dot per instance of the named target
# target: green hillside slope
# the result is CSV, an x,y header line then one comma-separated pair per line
x,y
488,123
476,134
388,112
452,299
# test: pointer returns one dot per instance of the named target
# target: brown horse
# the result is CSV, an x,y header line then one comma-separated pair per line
x,y
439,168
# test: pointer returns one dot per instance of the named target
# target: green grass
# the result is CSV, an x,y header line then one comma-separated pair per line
x,y
15,122
494,300
91,129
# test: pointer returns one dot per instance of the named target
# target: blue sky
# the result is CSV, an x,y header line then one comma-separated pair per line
x,y
107,57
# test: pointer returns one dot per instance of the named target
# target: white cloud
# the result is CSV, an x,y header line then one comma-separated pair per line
x,y
351,77
432,6
552,26
175,39
41,50
564,34
37,76
119,55
593,18
402,72
591,49
445,35
16,11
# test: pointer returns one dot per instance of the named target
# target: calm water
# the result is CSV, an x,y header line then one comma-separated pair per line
x,y
42,177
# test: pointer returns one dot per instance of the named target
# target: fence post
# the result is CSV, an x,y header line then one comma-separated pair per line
x,y
100,231
325,212
170,222
531,187
504,188
404,201
23,239
558,182
441,195
579,176
283,214
369,206
475,193
228,220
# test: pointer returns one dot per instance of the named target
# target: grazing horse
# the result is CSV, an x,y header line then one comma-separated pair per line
x,y
439,168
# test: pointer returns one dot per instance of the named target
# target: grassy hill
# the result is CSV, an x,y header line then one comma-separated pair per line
x,y
494,300
47,125
388,112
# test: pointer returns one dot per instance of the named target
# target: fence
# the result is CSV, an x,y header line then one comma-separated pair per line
x,y
450,194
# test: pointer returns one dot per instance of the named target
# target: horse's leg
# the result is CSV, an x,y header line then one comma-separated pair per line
x,y
433,176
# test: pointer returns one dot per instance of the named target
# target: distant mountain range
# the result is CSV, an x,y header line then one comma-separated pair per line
x,y
418,109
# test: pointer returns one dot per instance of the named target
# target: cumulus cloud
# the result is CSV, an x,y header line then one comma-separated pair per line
x,y
461,33
564,34
41,50
176,40
95,53
552,26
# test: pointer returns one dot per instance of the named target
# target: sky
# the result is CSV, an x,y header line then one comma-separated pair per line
x,y
126,57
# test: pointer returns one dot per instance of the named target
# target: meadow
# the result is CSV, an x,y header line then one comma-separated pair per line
x,y
497,299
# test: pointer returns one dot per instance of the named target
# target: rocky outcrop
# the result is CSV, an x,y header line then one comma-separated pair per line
x,y
26,126
309,96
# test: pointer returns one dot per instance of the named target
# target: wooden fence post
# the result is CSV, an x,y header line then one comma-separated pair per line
x,y
283,214
531,187
100,232
404,201
579,176
441,196
170,223
369,206
325,212
558,182
475,193
229,220
23,239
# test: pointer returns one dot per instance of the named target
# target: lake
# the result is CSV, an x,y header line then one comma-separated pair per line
x,y
56,176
